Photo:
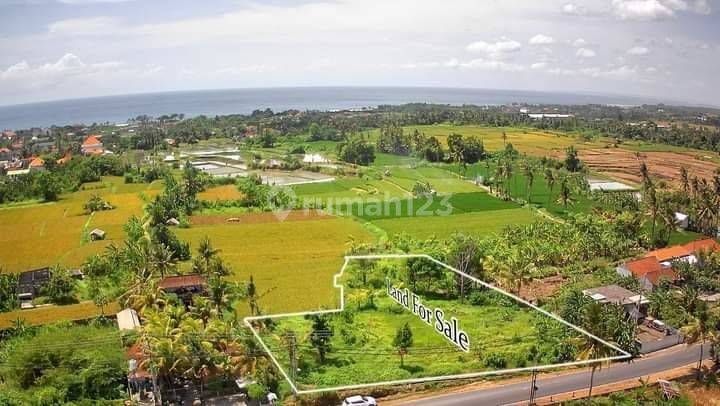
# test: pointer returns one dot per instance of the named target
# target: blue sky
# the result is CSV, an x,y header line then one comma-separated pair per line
x,y
55,49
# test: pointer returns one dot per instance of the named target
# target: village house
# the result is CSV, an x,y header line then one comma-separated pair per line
x,y
29,285
92,146
635,305
97,234
5,154
648,271
657,265
687,252
184,286
315,159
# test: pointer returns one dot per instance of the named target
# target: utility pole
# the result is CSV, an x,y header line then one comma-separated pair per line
x,y
533,388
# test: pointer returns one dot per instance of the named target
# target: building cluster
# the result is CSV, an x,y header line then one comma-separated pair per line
x,y
20,153
652,270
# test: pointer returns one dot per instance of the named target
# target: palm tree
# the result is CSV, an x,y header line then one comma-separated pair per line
x,y
162,259
698,331
550,179
530,177
590,349
565,197
207,253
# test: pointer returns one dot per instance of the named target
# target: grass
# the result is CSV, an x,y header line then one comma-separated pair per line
x,y
362,349
292,262
350,188
479,224
441,205
39,235
441,180
540,192
51,314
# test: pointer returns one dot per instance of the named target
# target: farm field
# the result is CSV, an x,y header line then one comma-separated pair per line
x,y
292,262
45,234
625,165
479,224
526,140
540,192
349,188
440,205
53,314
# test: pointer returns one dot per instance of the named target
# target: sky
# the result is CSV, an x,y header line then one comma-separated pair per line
x,y
59,49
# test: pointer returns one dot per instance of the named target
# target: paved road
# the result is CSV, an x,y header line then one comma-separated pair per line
x,y
519,392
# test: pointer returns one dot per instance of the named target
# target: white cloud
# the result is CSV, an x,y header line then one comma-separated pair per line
x,y
84,26
580,42
541,39
651,69
69,66
452,63
495,50
573,9
538,65
641,10
638,51
646,10
585,53
492,65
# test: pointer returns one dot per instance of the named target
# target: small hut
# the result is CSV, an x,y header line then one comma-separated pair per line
x,y
97,234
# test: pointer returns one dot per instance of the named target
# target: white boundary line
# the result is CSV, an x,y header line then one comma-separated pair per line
x,y
248,320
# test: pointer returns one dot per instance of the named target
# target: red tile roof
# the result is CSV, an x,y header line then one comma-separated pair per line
x,y
679,251
703,245
181,281
641,267
91,140
655,276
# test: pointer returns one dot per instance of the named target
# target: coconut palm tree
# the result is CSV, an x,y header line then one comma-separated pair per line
x,y
550,179
698,331
529,173
162,259
206,253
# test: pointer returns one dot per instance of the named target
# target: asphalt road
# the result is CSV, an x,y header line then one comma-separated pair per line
x,y
518,392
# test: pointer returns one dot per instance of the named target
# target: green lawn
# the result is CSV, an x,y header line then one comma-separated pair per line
x,y
540,192
478,224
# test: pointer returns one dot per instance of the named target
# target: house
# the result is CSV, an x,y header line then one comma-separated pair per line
x,y
687,252
172,222
37,164
632,303
5,154
185,286
682,220
30,283
97,234
92,146
315,159
128,319
649,271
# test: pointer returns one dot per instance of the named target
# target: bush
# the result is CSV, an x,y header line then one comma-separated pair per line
x,y
494,360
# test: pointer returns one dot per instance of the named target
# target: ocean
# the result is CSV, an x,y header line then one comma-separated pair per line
x,y
118,109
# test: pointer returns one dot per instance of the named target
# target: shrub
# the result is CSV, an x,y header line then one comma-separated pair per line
x,y
494,360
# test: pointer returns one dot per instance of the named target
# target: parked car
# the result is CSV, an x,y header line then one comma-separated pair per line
x,y
359,401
